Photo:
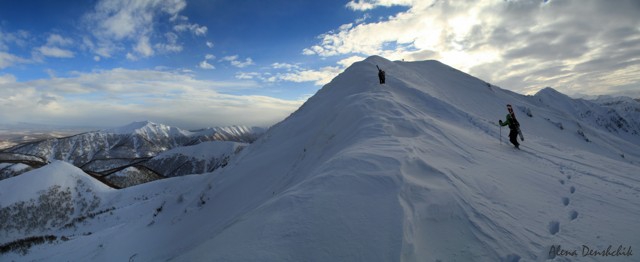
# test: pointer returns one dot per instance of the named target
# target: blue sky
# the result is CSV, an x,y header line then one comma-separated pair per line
x,y
204,63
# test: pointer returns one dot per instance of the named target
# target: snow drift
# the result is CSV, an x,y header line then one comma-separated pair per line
x,y
412,170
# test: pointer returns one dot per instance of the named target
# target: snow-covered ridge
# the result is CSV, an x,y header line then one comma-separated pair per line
x,y
148,129
44,200
57,173
196,159
101,153
138,139
626,107
204,150
229,133
611,114
412,170
151,129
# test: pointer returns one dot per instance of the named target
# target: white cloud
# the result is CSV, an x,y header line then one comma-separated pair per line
x,y
55,47
51,73
131,57
249,75
230,58
7,79
347,62
288,72
205,65
183,25
47,99
7,60
115,97
193,28
563,44
294,73
345,27
284,66
201,30
131,26
363,19
144,47
55,52
364,5
237,63
209,44
319,77
56,39
18,38
171,45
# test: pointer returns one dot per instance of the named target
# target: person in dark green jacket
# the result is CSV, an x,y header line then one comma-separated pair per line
x,y
513,124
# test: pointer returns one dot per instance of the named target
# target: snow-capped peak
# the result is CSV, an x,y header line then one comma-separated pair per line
x,y
148,128
550,92
129,128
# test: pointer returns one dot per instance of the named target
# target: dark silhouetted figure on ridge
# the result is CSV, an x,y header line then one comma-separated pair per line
x,y
380,75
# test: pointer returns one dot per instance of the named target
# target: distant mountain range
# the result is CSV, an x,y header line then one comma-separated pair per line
x,y
124,156
618,115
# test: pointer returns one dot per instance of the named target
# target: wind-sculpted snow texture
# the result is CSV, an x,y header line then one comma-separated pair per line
x,y
412,170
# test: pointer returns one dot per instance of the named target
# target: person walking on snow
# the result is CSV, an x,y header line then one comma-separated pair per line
x,y
514,127
380,75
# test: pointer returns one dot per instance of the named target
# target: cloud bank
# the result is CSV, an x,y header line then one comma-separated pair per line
x,y
118,26
119,96
589,47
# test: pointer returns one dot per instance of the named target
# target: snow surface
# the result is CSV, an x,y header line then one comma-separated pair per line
x,y
103,152
153,130
412,170
203,151
138,139
14,167
59,173
148,129
196,159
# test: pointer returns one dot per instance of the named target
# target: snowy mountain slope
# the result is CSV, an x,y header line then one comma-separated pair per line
x,y
15,164
8,170
138,139
627,108
620,115
197,159
605,130
148,129
412,170
43,200
105,152
242,134
408,171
